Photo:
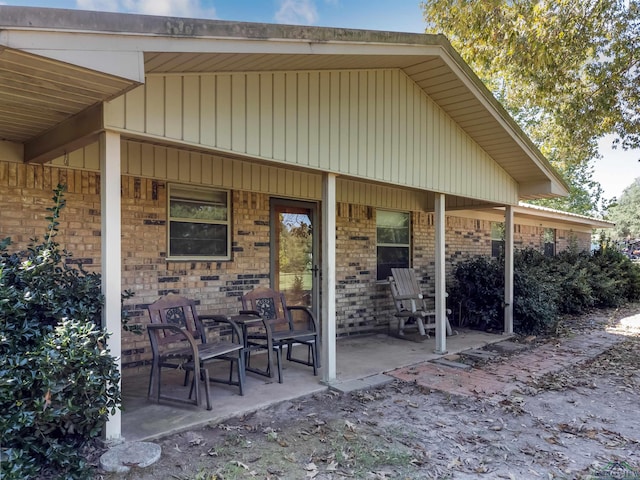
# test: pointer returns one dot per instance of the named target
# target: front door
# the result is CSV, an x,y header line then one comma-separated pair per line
x,y
294,252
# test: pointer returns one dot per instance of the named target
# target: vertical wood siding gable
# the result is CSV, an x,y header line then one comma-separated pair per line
x,y
370,124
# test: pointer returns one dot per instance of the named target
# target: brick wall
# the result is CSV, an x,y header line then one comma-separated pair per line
x,y
217,286
363,303
566,239
26,192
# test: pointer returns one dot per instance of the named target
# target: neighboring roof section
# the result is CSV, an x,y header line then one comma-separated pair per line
x,y
528,210
179,45
528,214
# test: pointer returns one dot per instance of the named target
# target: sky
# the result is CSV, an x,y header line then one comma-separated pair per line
x,y
615,171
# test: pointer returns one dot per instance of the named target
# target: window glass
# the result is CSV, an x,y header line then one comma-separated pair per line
x,y
497,239
550,242
393,231
198,223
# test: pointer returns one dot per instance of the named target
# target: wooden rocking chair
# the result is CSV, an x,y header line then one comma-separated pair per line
x,y
410,303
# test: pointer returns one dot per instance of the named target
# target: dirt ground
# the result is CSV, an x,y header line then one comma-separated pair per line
x,y
578,423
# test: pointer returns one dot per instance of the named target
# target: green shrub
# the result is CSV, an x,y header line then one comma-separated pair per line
x,y
535,305
58,382
479,289
544,287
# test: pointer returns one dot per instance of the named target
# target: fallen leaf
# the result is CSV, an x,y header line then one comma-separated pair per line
x,y
240,464
47,400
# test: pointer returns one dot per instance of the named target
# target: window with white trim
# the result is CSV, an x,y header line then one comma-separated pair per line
x,y
393,240
198,223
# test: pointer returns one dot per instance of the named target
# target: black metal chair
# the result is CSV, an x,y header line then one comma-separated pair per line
x,y
180,340
279,330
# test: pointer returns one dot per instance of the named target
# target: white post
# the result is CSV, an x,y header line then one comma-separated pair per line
x,y
111,256
508,270
329,277
441,307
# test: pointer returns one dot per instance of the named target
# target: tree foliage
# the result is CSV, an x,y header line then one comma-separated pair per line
x,y
566,70
626,213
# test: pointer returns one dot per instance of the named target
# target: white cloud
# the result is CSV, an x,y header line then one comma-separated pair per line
x,y
99,5
178,8
297,12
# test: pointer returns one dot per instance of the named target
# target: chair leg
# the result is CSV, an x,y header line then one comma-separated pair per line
x,y
151,379
421,326
279,361
449,329
317,344
196,383
159,380
205,372
314,354
401,326
241,373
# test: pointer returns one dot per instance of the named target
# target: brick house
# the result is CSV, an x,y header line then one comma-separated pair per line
x,y
383,147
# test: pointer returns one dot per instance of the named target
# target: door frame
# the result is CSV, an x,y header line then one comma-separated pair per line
x,y
314,207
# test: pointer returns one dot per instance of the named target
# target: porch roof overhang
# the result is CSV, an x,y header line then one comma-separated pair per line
x,y
83,48
537,215
52,102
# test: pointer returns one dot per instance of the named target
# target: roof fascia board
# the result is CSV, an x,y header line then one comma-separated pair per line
x,y
91,52
178,27
482,93
535,218
549,188
562,216
132,42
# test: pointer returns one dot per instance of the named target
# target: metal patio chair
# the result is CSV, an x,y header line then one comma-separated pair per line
x,y
180,340
278,330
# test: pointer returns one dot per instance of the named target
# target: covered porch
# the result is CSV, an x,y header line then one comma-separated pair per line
x,y
353,122
362,363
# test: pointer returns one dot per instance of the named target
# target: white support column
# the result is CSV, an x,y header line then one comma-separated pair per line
x,y
111,256
441,306
329,277
508,270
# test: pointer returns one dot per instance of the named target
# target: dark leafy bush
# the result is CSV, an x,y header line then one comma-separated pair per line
x,y
479,289
58,382
544,287
535,305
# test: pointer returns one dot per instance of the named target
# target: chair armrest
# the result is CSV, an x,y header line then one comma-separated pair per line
x,y
176,329
309,313
236,332
268,331
408,297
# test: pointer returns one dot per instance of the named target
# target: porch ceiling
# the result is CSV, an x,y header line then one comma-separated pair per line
x,y
37,93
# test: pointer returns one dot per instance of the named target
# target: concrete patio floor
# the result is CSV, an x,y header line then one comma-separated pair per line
x,y
362,362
